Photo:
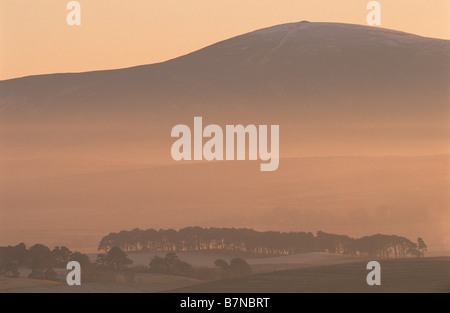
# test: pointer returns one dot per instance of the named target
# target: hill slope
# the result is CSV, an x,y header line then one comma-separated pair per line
x,y
403,275
369,88
289,63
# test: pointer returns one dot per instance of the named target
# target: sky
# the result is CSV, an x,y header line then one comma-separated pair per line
x,y
35,38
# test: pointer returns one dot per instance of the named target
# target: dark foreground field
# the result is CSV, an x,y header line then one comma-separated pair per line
x,y
405,275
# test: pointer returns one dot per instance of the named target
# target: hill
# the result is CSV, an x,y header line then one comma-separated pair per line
x,y
369,89
405,275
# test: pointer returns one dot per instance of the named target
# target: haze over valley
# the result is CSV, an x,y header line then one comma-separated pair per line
x,y
364,140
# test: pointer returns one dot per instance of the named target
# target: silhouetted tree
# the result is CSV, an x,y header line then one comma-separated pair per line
x,y
50,274
41,259
170,264
421,246
240,268
224,268
81,258
115,259
10,270
158,263
61,256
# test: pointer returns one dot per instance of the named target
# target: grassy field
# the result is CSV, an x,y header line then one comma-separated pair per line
x,y
143,283
404,275
21,283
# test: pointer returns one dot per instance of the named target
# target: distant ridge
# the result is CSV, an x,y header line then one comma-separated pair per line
x,y
303,76
283,63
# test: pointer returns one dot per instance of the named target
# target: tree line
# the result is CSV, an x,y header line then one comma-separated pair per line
x,y
269,243
173,265
39,258
43,262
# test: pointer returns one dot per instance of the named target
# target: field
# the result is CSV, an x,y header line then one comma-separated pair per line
x,y
258,264
309,272
405,275
142,283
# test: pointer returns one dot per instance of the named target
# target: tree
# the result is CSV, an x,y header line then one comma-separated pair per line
x,y
170,264
115,259
41,259
158,263
10,270
50,274
81,258
224,268
239,267
19,254
171,259
184,268
222,264
421,246
61,256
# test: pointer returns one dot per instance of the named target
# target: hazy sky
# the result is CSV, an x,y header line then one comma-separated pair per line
x,y
35,38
